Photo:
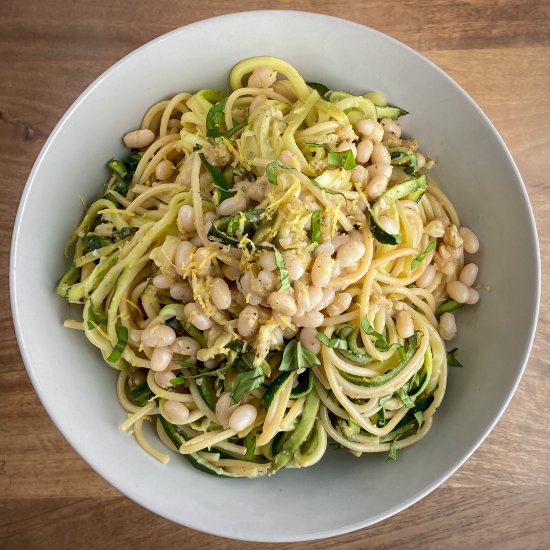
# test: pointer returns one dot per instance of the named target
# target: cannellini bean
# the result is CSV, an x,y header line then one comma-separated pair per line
x,y
359,173
257,190
162,378
313,319
182,292
376,186
325,248
231,272
247,323
202,260
287,157
435,229
391,126
307,297
427,277
471,242
458,291
389,225
175,412
379,170
404,324
186,218
356,235
366,127
328,297
266,281
183,254
160,358
158,336
185,345
224,409
164,170
294,265
163,281
420,160
340,240
137,377
321,272
468,274
232,205
242,417
308,340
447,326
196,316
282,302
208,218
256,102
350,254
341,303
364,151
138,139
196,241
267,261
347,146
220,294
262,77
380,154
473,298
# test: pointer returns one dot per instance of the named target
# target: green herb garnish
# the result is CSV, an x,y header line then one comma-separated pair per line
x,y
420,258
452,361
246,381
320,88
222,186
344,159
214,118
316,227
407,401
283,271
271,170
296,356
115,355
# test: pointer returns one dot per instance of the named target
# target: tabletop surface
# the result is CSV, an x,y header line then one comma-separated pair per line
x,y
498,50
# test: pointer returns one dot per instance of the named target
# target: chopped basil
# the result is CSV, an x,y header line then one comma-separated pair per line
x,y
283,271
320,88
124,172
245,382
420,258
118,168
93,242
452,361
123,233
338,343
447,307
384,399
316,226
393,450
419,418
235,128
328,190
344,159
335,446
381,421
178,381
271,170
222,186
381,342
141,394
250,444
115,355
95,319
214,118
407,401
296,356
221,227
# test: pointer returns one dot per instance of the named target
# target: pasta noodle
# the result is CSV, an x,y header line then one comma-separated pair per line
x,y
270,268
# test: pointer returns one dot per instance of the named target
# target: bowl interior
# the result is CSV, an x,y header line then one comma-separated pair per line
x,y
474,168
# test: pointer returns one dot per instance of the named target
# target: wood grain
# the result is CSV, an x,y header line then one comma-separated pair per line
x,y
50,51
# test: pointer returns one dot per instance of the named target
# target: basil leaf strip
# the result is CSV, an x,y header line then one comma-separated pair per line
x,y
328,190
220,183
344,159
338,343
419,418
447,307
287,362
452,361
316,227
122,333
420,258
321,88
283,271
245,382
271,170
407,401
95,319
214,118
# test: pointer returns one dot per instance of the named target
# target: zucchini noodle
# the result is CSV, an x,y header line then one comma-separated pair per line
x,y
270,269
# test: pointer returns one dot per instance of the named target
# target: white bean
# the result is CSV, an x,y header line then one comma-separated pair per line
x,y
420,160
473,298
266,281
164,170
341,303
186,218
350,254
308,340
364,151
162,378
294,265
427,277
379,170
224,409
185,345
182,292
359,173
325,248
458,291
389,225
262,77
160,358
247,323
286,157
175,412
340,240
404,324
347,146
282,302
163,281
231,272
183,254
471,242
267,261
158,336
138,139
380,154
196,316
391,126
208,218
321,272
137,378
328,297
312,319
256,102
242,417
308,297
220,294
468,274
202,260
376,186
232,205
447,326
366,127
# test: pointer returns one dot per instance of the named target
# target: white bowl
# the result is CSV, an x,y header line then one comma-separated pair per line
x,y
342,493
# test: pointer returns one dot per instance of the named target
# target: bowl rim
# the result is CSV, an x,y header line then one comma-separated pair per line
x,y
120,484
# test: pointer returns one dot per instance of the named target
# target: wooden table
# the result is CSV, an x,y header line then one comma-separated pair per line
x,y
498,50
